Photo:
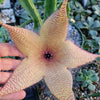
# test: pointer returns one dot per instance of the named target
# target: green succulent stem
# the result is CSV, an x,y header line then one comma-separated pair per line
x,y
26,23
29,6
50,7
39,3
68,11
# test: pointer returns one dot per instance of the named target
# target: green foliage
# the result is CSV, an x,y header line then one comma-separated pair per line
x,y
39,10
92,95
4,35
50,7
91,46
1,1
96,9
98,59
86,14
29,6
87,78
68,10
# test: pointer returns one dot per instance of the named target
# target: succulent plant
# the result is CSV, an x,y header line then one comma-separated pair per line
x,y
87,77
91,46
4,35
86,14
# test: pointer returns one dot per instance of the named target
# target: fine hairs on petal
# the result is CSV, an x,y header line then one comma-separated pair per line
x,y
46,56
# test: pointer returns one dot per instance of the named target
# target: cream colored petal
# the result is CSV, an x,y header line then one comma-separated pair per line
x,y
60,84
26,74
73,56
25,40
55,27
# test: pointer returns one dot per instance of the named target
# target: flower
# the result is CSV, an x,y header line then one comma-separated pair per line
x,y
48,56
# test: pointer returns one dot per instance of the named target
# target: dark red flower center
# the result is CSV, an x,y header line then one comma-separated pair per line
x,y
48,55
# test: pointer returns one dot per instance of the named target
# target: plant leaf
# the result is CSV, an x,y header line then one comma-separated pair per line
x,y
50,7
84,2
90,21
96,8
96,24
93,2
91,46
29,6
89,82
95,78
91,87
93,33
84,84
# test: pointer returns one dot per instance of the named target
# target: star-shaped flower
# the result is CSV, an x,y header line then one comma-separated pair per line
x,y
47,56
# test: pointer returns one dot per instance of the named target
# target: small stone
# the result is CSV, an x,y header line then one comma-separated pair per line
x,y
82,94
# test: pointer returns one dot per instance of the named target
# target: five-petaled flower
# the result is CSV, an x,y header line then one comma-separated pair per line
x,y
47,56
